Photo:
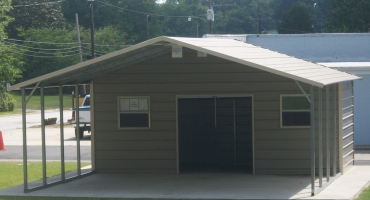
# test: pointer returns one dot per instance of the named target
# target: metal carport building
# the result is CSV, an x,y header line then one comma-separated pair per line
x,y
178,105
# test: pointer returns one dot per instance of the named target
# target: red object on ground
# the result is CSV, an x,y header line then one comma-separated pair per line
x,y
2,147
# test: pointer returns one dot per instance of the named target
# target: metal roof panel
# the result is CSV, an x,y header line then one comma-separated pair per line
x,y
232,50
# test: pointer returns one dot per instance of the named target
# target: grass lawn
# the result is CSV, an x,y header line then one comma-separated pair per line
x,y
11,173
51,102
365,195
14,112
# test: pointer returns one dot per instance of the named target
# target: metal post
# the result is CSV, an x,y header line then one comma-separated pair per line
x,y
43,136
77,117
234,113
25,174
92,30
320,138
312,119
78,38
327,134
61,121
197,31
215,112
147,26
335,130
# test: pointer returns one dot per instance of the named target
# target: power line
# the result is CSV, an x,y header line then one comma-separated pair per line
x,y
30,41
152,14
34,4
38,52
43,56
43,49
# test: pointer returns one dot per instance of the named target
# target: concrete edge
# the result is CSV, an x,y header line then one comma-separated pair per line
x,y
361,190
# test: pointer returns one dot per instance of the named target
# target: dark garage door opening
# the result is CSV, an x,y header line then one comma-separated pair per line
x,y
215,134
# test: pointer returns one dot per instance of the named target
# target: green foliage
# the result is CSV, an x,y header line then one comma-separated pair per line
x,y
318,10
10,61
10,64
39,62
108,39
47,56
43,15
108,13
7,103
180,26
349,16
4,18
297,20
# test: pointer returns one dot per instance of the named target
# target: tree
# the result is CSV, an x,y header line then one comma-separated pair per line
x,y
318,10
10,61
34,14
349,16
180,26
128,16
57,48
296,21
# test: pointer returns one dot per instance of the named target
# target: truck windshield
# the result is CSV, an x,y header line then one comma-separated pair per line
x,y
87,101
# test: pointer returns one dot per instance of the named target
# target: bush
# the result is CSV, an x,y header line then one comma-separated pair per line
x,y
7,103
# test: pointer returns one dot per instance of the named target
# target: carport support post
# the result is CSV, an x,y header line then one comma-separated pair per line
x,y
62,169
312,119
335,130
320,138
43,136
25,174
77,115
327,134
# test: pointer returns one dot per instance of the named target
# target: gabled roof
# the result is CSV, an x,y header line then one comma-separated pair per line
x,y
232,50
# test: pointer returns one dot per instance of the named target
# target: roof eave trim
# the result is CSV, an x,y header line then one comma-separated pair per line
x,y
261,67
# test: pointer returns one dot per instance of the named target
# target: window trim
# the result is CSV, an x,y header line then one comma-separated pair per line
x,y
119,112
281,110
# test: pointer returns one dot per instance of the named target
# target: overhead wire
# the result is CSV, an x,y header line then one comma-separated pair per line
x,y
152,14
24,54
28,47
30,41
34,4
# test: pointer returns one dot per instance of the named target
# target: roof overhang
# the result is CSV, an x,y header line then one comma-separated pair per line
x,y
232,50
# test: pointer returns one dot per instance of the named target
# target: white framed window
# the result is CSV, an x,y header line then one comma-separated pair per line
x,y
294,111
133,112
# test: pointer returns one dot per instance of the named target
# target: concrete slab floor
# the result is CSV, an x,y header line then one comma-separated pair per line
x,y
202,186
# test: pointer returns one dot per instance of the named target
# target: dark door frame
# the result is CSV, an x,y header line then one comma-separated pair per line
x,y
211,96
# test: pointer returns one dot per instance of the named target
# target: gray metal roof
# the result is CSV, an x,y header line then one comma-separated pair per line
x,y
232,50
323,47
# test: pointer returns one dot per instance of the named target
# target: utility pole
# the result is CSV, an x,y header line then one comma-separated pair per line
x,y
92,30
223,16
79,48
78,38
223,10
259,23
210,21
147,26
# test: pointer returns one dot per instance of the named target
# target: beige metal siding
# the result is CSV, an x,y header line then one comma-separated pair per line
x,y
348,125
277,151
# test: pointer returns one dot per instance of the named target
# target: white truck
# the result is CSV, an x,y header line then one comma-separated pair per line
x,y
84,115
